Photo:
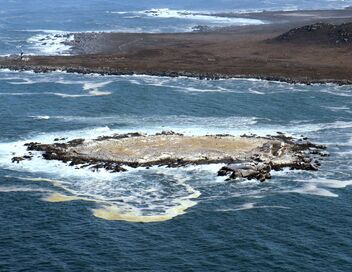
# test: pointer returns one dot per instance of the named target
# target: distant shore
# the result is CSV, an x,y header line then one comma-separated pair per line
x,y
231,52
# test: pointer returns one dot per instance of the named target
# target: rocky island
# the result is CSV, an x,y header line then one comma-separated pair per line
x,y
296,47
247,156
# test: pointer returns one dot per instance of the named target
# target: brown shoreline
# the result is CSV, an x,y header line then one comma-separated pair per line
x,y
233,52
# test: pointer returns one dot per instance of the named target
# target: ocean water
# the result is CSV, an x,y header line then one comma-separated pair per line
x,y
57,218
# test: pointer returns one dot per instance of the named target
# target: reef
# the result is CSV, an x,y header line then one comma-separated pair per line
x,y
244,157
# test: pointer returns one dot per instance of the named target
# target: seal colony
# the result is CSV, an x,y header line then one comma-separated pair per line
x,y
248,157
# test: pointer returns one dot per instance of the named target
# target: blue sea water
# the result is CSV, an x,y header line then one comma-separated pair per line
x,y
52,215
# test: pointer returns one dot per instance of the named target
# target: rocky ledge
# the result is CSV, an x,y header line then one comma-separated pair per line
x,y
246,156
320,34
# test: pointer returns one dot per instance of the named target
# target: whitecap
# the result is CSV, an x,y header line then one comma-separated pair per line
x,y
88,86
250,206
166,13
65,95
41,117
330,183
16,189
311,189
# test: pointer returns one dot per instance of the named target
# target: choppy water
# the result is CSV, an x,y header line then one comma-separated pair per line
x,y
56,218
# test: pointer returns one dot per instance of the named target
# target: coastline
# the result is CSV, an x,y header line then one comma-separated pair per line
x,y
230,52
200,76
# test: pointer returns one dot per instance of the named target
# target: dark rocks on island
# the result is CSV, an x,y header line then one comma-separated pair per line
x,y
255,170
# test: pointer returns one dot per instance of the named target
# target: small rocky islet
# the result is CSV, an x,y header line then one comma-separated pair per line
x,y
244,157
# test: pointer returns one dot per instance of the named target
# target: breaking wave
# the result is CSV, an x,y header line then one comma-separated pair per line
x,y
165,13
51,42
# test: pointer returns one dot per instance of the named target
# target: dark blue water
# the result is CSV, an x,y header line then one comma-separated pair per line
x,y
57,218
297,221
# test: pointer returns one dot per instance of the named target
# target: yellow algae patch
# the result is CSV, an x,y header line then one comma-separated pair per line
x,y
57,197
113,213
56,183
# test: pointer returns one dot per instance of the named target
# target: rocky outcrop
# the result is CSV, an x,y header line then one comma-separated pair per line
x,y
305,156
245,157
247,170
319,34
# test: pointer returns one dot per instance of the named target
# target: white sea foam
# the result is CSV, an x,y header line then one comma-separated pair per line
x,y
183,124
312,189
51,42
41,117
90,87
25,81
93,88
166,13
337,91
63,95
190,125
127,196
13,189
329,183
18,94
250,206
337,109
259,86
